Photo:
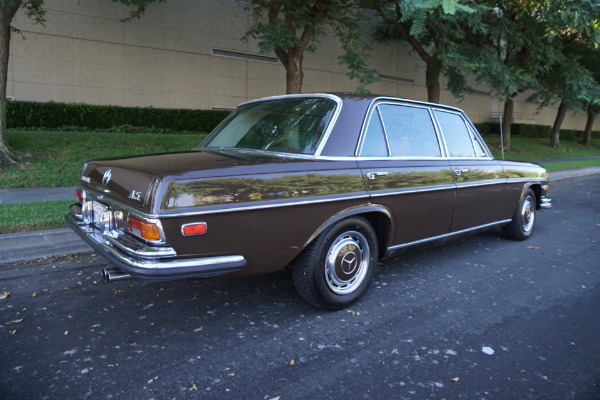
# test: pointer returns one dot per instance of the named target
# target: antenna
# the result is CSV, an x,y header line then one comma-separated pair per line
x,y
501,138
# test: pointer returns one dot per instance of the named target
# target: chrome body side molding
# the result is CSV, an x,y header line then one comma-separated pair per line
x,y
398,249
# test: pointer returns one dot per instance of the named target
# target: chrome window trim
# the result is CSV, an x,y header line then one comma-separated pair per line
x,y
374,106
385,135
476,133
475,137
400,158
470,158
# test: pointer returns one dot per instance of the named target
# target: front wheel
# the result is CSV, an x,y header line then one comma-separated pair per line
x,y
521,226
336,268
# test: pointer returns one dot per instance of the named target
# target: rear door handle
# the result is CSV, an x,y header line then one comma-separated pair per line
x,y
373,175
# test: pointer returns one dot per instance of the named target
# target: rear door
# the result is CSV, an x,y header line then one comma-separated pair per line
x,y
400,156
480,182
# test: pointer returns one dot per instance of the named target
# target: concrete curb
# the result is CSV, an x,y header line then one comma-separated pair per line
x,y
572,173
31,245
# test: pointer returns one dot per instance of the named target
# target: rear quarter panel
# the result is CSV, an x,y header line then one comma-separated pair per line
x,y
267,218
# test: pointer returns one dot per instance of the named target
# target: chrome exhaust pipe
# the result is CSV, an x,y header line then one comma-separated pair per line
x,y
114,275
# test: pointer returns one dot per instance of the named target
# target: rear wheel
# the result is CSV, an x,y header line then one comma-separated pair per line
x,y
521,226
336,268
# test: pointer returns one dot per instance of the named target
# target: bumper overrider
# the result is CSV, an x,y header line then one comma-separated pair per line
x,y
148,262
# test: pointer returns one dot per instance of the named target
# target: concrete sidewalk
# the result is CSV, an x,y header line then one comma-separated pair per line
x,y
36,194
55,242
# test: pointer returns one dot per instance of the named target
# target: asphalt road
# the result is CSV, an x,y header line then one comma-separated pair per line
x,y
480,318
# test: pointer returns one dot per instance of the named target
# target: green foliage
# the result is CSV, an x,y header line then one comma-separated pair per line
x,y
290,27
436,30
34,10
530,131
58,115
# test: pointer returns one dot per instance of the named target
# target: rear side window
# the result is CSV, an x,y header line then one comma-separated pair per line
x,y
405,131
458,138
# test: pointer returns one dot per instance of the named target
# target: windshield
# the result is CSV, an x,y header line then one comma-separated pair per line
x,y
294,125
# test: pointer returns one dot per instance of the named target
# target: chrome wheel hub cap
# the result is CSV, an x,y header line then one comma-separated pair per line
x,y
347,262
528,214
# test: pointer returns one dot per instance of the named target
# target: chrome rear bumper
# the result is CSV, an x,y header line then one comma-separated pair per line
x,y
149,262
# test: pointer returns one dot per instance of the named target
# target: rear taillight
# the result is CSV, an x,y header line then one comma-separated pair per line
x,y
143,229
80,196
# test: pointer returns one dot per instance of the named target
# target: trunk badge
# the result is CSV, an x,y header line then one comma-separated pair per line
x,y
135,195
106,177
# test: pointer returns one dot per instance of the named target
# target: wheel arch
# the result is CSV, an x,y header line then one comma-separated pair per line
x,y
536,187
379,217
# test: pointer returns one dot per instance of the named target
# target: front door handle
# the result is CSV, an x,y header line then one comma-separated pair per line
x,y
459,172
373,175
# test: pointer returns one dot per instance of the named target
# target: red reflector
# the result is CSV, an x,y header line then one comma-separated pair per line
x,y
79,196
194,229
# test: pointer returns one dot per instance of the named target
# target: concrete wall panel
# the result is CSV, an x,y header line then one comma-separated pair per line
x,y
84,53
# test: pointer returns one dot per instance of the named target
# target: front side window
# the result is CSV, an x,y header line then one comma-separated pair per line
x,y
456,134
293,125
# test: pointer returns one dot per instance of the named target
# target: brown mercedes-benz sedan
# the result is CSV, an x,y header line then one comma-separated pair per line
x,y
325,183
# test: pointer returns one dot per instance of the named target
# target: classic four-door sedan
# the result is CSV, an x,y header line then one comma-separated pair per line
x,y
325,183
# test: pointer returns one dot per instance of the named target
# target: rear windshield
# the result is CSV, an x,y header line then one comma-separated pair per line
x,y
290,125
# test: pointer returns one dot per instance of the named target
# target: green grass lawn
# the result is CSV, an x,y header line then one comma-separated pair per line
x,y
21,217
54,159
530,149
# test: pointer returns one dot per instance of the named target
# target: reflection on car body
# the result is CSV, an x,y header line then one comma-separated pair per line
x,y
326,183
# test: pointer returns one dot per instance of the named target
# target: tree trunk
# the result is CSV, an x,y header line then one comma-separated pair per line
x,y
560,117
294,76
432,80
509,106
587,134
7,12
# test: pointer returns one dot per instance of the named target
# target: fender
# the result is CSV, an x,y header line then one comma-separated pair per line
x,y
370,210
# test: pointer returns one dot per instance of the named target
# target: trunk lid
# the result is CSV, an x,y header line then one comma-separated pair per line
x,y
135,180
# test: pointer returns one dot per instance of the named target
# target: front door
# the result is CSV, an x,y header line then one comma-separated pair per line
x,y
480,182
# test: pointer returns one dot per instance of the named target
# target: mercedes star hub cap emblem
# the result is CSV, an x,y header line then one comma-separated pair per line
x,y
349,263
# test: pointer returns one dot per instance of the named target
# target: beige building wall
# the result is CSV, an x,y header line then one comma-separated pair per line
x,y
190,54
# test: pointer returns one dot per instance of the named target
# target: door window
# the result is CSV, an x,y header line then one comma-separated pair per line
x,y
457,136
401,131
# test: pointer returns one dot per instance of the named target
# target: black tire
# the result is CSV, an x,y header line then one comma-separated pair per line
x,y
521,226
336,268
